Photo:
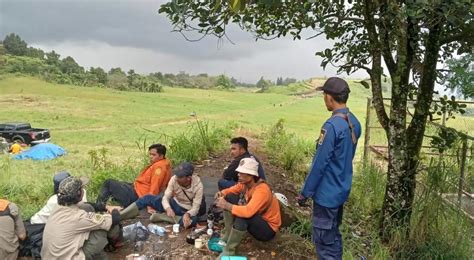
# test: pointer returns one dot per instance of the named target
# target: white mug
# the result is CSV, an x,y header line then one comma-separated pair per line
x,y
176,228
198,243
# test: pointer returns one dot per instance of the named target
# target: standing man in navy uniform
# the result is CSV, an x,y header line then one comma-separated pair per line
x,y
329,181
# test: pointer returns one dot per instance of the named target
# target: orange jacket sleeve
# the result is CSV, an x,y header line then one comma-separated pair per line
x,y
261,199
236,189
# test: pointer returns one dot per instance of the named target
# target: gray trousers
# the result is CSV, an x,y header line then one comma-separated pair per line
x,y
93,247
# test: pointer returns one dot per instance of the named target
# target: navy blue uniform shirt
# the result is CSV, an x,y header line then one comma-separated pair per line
x,y
330,178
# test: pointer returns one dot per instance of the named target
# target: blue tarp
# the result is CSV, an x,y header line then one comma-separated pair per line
x,y
46,151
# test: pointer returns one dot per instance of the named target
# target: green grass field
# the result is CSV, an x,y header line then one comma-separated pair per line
x,y
83,118
89,119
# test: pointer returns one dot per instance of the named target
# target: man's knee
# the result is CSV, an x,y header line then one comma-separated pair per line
x,y
86,207
108,183
328,243
332,251
224,184
95,244
232,198
240,224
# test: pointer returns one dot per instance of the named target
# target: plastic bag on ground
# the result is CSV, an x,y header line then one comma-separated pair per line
x,y
135,232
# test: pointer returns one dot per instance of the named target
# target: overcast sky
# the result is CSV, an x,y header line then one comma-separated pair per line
x,y
131,34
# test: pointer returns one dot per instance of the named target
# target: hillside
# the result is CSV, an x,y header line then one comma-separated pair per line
x,y
76,114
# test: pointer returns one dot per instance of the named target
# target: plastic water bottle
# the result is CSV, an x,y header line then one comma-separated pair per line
x,y
157,230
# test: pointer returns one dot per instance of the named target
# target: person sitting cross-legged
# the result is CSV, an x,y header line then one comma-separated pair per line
x,y
73,230
183,200
249,206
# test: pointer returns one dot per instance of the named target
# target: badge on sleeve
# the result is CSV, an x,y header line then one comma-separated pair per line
x,y
322,135
158,171
95,217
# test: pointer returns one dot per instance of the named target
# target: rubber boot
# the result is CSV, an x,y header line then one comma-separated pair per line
x,y
233,242
129,212
228,222
162,217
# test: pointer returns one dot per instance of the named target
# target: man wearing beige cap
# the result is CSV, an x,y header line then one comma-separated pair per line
x,y
249,206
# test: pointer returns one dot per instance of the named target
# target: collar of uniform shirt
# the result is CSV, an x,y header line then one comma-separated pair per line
x,y
341,110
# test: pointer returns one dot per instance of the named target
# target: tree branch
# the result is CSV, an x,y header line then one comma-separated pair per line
x,y
466,35
347,65
385,38
426,87
314,36
376,71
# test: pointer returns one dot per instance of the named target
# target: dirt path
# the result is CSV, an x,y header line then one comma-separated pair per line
x,y
284,246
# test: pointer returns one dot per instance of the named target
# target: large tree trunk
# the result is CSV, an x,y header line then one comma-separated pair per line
x,y
400,188
405,142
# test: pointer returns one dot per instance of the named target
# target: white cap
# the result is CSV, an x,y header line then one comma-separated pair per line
x,y
248,166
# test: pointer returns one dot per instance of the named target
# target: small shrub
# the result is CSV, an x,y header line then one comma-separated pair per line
x,y
288,151
198,142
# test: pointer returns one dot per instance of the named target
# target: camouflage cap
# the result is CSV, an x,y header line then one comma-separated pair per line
x,y
70,186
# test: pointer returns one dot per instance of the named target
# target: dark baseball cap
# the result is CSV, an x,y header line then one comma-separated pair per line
x,y
184,169
335,86
60,176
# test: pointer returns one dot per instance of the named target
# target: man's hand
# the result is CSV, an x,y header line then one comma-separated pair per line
x,y
150,210
187,220
112,208
22,237
223,204
170,212
301,200
218,195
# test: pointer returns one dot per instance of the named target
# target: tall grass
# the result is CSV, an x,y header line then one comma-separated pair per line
x,y
31,191
288,151
436,231
199,141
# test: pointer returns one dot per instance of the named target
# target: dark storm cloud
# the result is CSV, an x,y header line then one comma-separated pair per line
x,y
119,23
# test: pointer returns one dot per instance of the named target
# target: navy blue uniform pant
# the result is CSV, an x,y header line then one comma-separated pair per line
x,y
123,192
326,235
255,225
223,184
155,202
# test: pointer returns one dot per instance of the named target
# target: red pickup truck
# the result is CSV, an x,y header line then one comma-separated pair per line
x,y
23,133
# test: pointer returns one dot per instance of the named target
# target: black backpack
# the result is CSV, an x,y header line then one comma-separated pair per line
x,y
31,246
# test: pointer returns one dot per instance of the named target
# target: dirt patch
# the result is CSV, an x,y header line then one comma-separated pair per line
x,y
23,101
283,246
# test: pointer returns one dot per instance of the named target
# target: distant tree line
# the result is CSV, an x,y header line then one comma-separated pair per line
x,y
17,57
285,82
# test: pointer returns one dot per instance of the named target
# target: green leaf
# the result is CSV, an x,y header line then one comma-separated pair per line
x,y
365,84
235,5
218,30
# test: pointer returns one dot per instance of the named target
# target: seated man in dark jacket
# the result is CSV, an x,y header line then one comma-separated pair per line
x,y
238,151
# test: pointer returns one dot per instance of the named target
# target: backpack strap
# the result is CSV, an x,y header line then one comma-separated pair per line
x,y
351,126
4,204
4,209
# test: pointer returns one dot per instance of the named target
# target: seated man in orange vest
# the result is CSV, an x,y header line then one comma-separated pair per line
x,y
12,230
152,180
248,206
